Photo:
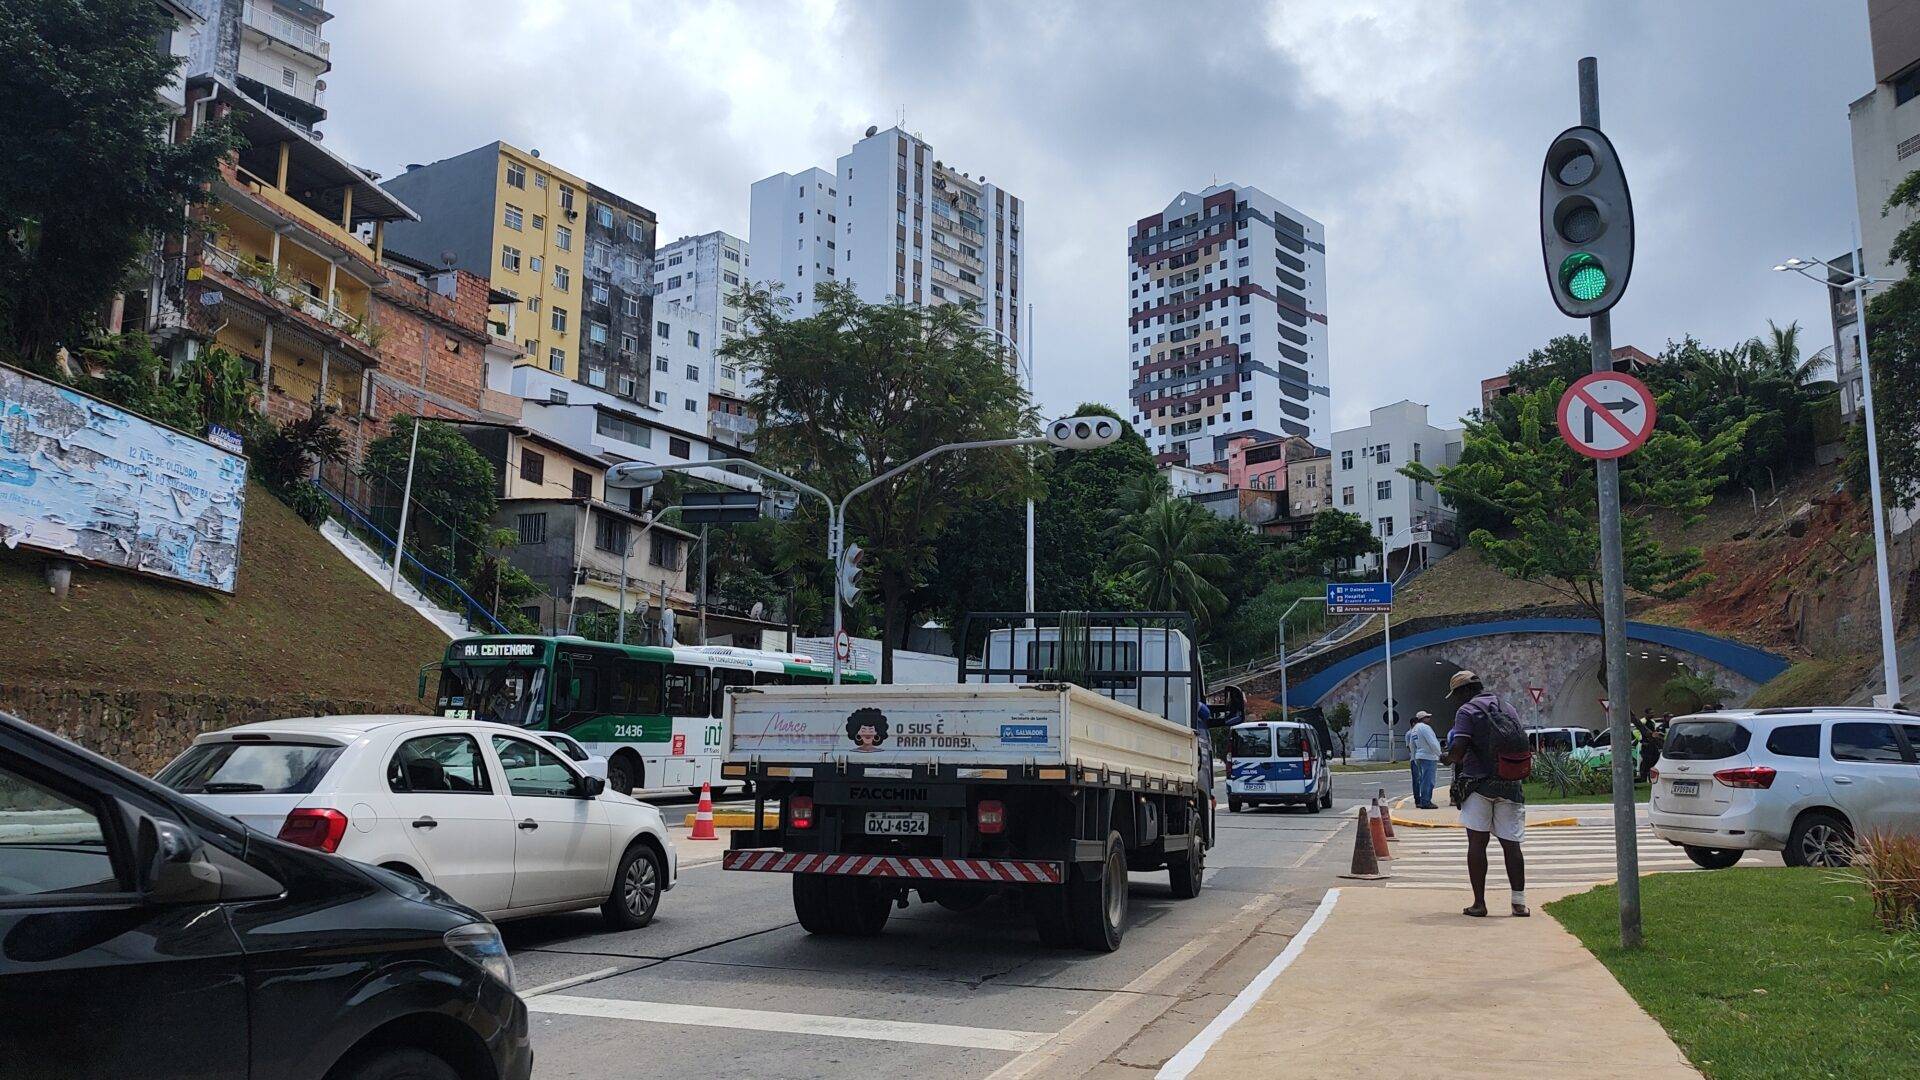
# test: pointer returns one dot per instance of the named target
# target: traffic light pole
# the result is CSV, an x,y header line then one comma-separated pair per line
x,y
1614,591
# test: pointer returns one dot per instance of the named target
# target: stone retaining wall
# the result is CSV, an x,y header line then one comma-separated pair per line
x,y
145,729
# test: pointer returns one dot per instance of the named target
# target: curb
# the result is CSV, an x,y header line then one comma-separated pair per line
x,y
1550,823
735,819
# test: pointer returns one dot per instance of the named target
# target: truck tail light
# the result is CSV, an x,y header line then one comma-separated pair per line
x,y
990,817
1751,776
800,812
318,828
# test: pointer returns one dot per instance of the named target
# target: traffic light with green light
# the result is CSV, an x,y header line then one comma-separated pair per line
x,y
1586,222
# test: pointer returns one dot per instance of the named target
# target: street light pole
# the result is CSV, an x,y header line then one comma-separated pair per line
x,y
1889,657
1026,367
406,499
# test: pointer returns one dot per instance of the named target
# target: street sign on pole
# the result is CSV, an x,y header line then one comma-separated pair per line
x,y
1360,598
1606,415
843,647
719,507
1538,693
1586,237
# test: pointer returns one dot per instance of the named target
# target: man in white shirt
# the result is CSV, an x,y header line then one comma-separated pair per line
x,y
1425,749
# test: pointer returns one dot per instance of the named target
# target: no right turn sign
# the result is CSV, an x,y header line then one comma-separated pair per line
x,y
1606,415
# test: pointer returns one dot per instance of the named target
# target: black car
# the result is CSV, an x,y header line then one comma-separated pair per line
x,y
143,935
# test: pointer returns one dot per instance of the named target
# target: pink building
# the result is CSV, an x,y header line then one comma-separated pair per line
x,y
1262,466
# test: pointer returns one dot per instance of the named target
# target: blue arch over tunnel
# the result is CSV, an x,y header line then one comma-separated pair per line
x,y
1756,664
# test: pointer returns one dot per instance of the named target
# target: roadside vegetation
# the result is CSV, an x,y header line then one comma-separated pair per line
x,y
1768,973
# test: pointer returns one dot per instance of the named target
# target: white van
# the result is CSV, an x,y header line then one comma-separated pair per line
x,y
1272,761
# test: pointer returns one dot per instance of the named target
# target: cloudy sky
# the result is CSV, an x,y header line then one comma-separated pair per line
x,y
1413,130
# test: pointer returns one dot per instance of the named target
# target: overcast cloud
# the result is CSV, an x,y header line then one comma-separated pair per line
x,y
1412,130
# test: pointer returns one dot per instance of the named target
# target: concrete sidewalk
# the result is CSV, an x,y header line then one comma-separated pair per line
x,y
1397,983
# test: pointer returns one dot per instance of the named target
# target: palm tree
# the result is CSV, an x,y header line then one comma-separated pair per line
x,y
1778,354
1165,553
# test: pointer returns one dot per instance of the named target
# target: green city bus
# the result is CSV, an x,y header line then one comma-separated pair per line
x,y
656,714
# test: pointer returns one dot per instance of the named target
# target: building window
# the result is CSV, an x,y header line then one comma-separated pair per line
x,y
562,278
1386,528
533,303
1346,459
540,221
599,293
610,534
1346,496
597,333
636,232
1383,454
1383,489
557,359
563,237
673,282
629,343
597,378
513,217
660,398
559,319
533,528
616,427
690,406
516,175
509,258
660,364
663,550
693,372
536,263
693,338
626,386
730,277
1906,87
582,484
633,307
679,448
533,467
539,180
566,197
605,215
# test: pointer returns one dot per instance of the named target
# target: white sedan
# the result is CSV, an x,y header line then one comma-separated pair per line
x,y
495,817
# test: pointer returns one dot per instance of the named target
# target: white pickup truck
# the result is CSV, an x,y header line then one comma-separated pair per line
x,y
1042,774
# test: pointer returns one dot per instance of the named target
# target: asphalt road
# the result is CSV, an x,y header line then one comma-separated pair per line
x,y
725,982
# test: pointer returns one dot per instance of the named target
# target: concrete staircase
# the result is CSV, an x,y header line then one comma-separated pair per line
x,y
377,568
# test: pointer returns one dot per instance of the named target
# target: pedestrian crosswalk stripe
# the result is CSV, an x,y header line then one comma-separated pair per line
x,y
844,1027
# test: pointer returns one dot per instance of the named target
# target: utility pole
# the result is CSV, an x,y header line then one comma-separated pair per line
x,y
406,500
1386,641
1614,592
703,584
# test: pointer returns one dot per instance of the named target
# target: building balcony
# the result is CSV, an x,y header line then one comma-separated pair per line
x,y
293,211
731,427
281,29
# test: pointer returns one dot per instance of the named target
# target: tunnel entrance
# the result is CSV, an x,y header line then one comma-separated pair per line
x,y
1576,700
1419,682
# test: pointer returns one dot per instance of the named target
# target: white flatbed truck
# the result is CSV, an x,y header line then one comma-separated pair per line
x,y
1043,774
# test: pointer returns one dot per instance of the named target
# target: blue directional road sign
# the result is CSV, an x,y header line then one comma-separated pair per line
x,y
1360,597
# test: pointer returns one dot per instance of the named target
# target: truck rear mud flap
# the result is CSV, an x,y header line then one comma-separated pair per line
x,y
913,868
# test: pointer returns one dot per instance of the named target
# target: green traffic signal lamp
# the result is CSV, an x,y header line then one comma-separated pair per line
x,y
1583,277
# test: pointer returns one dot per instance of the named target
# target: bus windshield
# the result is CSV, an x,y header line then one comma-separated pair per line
x,y
503,693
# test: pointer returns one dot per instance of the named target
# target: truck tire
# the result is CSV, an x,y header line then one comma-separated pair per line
x,y
1049,904
1097,907
1188,871
863,907
813,903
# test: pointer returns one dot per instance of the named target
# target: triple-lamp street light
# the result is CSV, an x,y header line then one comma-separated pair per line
x,y
1071,433
1858,282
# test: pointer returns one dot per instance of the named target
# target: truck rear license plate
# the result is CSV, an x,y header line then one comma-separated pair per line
x,y
1686,787
896,823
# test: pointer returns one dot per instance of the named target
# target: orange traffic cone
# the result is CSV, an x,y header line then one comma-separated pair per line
x,y
1379,836
1386,815
1366,863
703,815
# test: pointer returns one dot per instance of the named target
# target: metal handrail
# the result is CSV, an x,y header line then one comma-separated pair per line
x,y
361,520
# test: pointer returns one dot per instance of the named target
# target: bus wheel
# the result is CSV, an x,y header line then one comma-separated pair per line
x,y
624,774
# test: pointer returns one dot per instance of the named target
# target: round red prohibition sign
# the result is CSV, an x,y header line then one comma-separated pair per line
x,y
1606,415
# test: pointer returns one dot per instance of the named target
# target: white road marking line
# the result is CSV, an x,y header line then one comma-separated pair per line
x,y
839,1027
562,984
1189,1056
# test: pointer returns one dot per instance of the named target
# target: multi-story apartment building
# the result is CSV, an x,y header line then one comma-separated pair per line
x,y
273,51
896,223
1227,319
285,270
514,217
1409,515
1309,487
617,299
697,282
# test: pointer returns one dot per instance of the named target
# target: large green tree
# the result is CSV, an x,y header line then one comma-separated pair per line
x,y
90,173
855,389
1549,494
1165,552
1893,350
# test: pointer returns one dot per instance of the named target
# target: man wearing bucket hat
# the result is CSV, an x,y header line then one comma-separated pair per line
x,y
1488,750
1424,749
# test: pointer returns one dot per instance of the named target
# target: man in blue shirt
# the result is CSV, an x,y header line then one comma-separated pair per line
x,y
1424,748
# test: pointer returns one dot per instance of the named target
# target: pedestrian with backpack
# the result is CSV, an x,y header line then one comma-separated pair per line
x,y
1491,756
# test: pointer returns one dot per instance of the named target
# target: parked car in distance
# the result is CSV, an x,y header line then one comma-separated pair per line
x,y
498,818
1272,761
1804,782
1563,739
143,935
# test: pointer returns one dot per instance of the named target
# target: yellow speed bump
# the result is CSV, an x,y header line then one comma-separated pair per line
x,y
740,819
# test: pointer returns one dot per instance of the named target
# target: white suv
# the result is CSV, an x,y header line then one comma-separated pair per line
x,y
1804,782
493,816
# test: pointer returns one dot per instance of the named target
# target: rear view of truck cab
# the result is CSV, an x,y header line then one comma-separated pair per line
x,y
1064,755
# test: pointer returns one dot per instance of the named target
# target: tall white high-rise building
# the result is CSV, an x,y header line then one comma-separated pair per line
x,y
696,310
896,223
1227,321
